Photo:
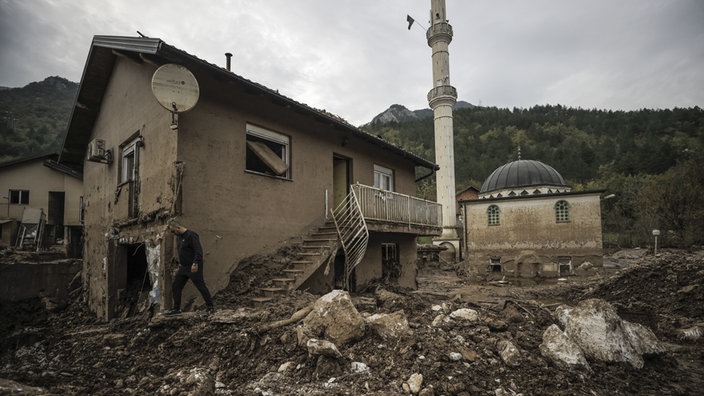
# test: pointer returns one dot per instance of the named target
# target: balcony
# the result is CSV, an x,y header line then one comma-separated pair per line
x,y
386,211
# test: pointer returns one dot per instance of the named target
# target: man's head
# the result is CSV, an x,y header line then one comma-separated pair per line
x,y
176,228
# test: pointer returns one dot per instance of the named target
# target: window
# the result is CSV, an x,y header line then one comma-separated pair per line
x,y
383,178
130,160
268,152
562,213
19,197
493,215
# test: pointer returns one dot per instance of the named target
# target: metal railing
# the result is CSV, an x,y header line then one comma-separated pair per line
x,y
352,231
387,206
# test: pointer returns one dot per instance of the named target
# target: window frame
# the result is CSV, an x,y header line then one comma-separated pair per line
x,y
22,197
493,215
129,150
562,211
272,140
385,174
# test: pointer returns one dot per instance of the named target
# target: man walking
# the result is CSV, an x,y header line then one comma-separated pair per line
x,y
190,257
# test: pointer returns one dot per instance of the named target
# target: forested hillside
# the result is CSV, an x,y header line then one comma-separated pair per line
x,y
651,159
33,118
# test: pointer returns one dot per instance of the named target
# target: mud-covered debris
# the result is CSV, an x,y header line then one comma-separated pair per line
x,y
558,348
389,326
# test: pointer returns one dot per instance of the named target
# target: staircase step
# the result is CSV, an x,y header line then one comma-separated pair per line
x,y
308,254
261,300
272,291
293,272
284,283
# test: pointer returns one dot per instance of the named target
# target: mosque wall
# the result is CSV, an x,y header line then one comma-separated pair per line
x,y
533,236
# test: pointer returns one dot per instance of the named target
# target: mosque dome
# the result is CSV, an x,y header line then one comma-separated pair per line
x,y
523,177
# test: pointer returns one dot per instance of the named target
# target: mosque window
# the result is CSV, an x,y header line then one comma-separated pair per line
x,y
562,212
493,215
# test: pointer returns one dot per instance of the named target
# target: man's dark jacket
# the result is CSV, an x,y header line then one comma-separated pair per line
x,y
189,251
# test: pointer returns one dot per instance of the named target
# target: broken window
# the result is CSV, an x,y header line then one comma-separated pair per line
x,y
562,214
268,152
564,264
19,197
383,178
493,215
495,265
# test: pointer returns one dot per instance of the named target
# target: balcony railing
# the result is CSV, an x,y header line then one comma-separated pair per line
x,y
385,206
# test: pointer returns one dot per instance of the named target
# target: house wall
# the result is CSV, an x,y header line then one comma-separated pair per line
x,y
239,213
528,239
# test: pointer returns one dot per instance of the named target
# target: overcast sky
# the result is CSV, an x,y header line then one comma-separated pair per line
x,y
355,58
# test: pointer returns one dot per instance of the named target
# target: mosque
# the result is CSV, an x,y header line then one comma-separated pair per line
x,y
527,222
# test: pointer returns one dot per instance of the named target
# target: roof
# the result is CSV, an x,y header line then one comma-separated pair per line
x,y
538,196
98,69
522,173
38,157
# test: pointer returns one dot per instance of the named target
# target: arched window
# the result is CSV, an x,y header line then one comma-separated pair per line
x,y
493,215
562,212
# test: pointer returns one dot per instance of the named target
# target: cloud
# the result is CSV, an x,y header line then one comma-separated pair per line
x,y
355,58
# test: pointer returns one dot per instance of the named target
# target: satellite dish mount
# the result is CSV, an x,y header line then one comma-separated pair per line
x,y
176,89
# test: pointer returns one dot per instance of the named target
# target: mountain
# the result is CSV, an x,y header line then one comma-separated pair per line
x,y
399,113
33,118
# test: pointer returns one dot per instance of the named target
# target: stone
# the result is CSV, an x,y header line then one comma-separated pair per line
x,y
466,314
415,383
334,318
600,333
389,326
322,347
509,353
561,350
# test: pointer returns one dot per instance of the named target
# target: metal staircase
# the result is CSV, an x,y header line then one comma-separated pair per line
x,y
352,231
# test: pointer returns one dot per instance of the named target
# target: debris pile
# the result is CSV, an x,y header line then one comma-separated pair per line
x,y
609,335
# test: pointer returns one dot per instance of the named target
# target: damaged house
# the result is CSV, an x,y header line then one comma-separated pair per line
x,y
527,222
248,169
42,204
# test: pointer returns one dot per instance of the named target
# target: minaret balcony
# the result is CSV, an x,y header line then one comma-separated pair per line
x,y
442,93
439,31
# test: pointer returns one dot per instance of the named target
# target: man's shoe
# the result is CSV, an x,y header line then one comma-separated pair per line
x,y
171,312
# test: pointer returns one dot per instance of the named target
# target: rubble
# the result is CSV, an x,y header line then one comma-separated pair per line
x,y
449,337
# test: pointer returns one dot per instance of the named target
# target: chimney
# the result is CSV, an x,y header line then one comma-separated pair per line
x,y
228,57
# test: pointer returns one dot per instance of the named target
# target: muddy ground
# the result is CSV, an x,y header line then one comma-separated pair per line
x,y
66,351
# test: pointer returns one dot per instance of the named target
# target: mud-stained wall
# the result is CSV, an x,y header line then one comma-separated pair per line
x,y
237,213
370,269
133,111
528,239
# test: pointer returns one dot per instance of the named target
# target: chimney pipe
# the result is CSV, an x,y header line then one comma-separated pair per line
x,y
228,56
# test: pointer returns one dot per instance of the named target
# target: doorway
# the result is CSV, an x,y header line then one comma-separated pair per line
x,y
341,176
390,263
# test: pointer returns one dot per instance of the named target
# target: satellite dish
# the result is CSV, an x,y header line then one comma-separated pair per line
x,y
175,87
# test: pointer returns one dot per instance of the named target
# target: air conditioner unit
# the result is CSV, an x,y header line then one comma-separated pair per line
x,y
98,153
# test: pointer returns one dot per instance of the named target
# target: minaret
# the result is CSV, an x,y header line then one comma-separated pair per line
x,y
441,99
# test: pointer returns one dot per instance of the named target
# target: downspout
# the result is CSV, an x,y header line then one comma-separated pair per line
x,y
432,172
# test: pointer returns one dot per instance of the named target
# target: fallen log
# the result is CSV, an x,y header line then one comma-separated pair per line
x,y
298,315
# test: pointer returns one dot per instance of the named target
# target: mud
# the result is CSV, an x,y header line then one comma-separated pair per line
x,y
68,352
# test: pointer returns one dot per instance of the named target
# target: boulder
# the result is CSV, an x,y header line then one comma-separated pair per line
x,y
334,318
561,350
389,326
595,326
